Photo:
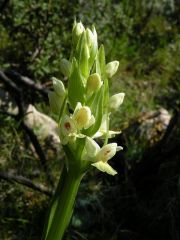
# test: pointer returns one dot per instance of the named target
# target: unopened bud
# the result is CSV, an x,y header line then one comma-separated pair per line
x,y
111,68
116,100
58,87
94,82
65,67
90,37
77,31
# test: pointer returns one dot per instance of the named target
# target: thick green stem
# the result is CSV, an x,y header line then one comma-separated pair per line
x,y
64,205
53,205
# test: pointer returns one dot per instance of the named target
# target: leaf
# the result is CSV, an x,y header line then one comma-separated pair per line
x,y
102,61
76,87
97,111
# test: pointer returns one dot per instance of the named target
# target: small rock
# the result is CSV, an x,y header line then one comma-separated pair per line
x,y
153,124
44,126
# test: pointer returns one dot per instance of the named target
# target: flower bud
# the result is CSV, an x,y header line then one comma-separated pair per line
x,y
90,37
65,67
77,31
58,87
116,100
111,68
94,82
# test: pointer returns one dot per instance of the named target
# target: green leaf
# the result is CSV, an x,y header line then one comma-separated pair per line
x,y
80,45
82,55
102,61
97,111
98,68
83,61
76,89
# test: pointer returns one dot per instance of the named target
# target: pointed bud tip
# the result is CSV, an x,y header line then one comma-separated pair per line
x,y
58,87
111,68
116,100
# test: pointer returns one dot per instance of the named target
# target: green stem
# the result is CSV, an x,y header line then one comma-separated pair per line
x,y
64,205
53,205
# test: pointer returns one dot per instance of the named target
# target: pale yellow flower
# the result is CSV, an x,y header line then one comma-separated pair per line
x,y
100,156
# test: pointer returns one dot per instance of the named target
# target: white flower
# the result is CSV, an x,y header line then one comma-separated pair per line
x,y
67,130
111,68
94,82
103,130
82,116
100,156
116,100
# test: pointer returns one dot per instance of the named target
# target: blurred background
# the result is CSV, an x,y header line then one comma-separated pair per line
x,y
143,200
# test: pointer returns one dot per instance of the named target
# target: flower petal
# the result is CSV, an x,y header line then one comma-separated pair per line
x,y
91,147
104,167
90,123
107,152
67,125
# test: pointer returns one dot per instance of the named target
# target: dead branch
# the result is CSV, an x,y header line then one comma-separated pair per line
x,y
17,94
27,82
26,182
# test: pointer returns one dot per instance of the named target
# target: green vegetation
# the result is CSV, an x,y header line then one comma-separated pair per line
x,y
145,37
